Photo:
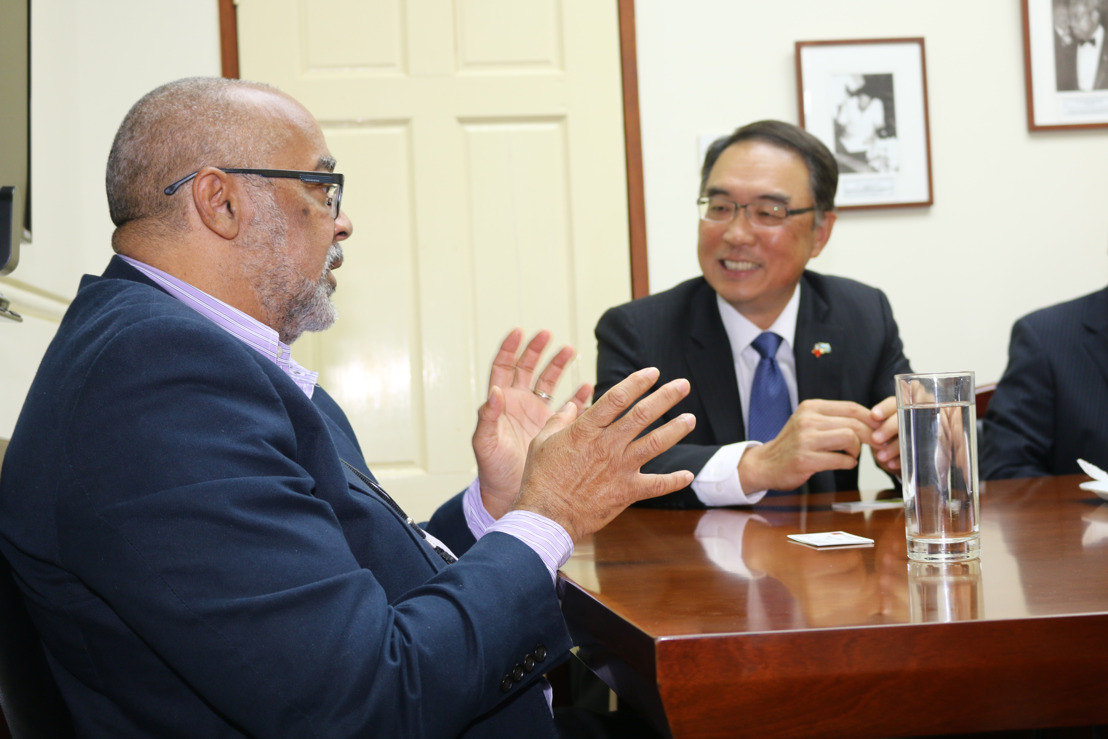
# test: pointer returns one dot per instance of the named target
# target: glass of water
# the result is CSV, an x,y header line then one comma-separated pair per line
x,y
938,457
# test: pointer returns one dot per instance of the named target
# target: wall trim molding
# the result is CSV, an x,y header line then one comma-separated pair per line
x,y
31,302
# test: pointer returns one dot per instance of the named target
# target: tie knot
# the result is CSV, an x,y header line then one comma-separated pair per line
x,y
767,343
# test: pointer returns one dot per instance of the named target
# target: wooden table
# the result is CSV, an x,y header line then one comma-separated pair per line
x,y
716,625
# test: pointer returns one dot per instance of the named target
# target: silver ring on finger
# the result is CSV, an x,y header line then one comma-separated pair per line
x,y
543,395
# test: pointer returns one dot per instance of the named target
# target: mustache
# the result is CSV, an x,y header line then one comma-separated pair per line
x,y
334,256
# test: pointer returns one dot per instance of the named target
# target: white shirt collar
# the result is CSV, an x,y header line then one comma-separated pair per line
x,y
742,332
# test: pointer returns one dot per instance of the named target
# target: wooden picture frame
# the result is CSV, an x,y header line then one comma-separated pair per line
x,y
1067,80
867,101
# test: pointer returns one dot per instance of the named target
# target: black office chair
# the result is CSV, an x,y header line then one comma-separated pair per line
x,y
32,706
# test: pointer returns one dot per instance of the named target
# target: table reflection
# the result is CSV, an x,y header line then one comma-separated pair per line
x,y
948,591
748,576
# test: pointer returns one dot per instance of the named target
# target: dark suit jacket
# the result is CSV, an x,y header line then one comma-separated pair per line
x,y
679,331
1051,405
200,563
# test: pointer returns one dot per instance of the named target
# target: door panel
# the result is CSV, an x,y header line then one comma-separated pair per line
x,y
482,142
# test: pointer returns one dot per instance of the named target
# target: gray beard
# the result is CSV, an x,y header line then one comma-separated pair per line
x,y
293,304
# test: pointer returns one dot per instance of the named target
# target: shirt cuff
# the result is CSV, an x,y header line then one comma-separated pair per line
x,y
717,483
477,518
545,537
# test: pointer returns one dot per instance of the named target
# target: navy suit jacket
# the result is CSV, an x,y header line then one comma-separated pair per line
x,y
200,562
1051,405
680,332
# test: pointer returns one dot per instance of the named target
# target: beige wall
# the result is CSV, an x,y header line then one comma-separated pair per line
x,y
90,62
993,246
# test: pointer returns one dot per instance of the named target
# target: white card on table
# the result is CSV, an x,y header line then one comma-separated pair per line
x,y
854,506
831,539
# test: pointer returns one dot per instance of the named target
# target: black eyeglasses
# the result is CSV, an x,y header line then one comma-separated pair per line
x,y
333,181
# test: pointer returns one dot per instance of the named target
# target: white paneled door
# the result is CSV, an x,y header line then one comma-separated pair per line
x,y
482,143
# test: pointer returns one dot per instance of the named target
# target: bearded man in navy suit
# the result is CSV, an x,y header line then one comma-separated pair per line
x,y
767,206
199,540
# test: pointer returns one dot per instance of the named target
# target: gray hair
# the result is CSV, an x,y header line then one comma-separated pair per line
x,y
172,131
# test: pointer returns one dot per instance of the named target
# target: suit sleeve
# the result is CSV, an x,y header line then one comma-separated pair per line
x,y
192,516
1016,439
621,350
892,361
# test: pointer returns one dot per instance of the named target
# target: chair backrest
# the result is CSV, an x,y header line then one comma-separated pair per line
x,y
982,396
31,703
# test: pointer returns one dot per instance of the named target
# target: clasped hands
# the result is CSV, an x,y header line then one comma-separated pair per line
x,y
577,466
823,435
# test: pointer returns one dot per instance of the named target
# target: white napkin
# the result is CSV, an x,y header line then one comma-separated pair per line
x,y
1099,483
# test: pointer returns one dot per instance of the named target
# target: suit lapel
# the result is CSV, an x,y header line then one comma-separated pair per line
x,y
1094,339
819,372
712,367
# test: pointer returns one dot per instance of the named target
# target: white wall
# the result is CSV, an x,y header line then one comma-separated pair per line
x,y
994,246
90,62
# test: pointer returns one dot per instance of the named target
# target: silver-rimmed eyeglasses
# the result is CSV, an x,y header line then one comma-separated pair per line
x,y
760,212
332,180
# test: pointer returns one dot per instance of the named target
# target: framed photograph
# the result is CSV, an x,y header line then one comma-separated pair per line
x,y
867,100
1065,58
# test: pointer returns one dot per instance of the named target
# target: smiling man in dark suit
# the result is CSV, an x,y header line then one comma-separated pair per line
x,y
201,544
1051,405
766,208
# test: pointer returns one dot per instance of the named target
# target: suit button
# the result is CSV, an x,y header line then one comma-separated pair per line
x,y
506,684
528,663
539,653
517,673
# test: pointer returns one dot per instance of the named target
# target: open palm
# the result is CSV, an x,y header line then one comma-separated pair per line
x,y
514,413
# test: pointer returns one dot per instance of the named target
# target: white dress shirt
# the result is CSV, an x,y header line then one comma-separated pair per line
x,y
717,483
1088,60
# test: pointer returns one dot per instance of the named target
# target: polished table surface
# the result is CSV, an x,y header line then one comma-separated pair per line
x,y
716,625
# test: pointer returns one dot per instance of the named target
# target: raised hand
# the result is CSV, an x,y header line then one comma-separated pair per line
x,y
582,471
514,413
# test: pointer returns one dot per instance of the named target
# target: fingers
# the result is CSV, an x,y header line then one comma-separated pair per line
x,y
813,416
884,413
504,363
888,430
620,397
884,410
550,375
510,370
662,438
582,473
561,419
655,486
582,397
493,406
529,359
651,408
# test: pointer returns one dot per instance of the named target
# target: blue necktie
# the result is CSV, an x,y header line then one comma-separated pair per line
x,y
770,406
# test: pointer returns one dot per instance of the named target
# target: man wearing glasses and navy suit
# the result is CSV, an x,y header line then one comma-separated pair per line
x,y
791,371
198,538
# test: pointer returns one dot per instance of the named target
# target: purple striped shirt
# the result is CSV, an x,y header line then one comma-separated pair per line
x,y
254,334
545,537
